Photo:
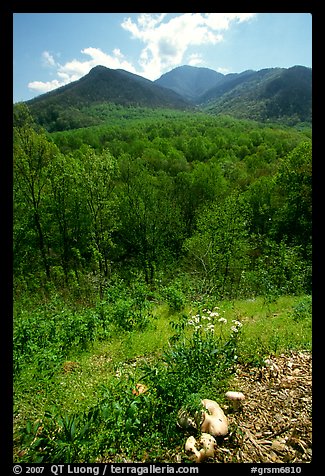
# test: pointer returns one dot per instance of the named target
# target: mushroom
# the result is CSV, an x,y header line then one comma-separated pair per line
x,y
235,398
139,388
190,447
207,444
215,422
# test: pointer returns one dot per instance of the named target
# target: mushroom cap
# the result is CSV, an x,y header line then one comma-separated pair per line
x,y
190,447
190,444
139,388
208,444
214,425
216,422
235,396
212,406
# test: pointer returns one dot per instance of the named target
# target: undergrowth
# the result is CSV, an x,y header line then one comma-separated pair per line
x,y
181,355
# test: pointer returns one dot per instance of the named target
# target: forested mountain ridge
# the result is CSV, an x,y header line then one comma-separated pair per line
x,y
152,193
267,94
191,82
271,94
68,106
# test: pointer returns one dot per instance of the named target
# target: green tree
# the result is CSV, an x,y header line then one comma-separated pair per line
x,y
204,184
293,221
68,224
260,197
151,228
219,247
97,180
33,154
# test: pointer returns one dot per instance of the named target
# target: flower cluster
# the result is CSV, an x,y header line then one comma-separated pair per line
x,y
236,326
207,320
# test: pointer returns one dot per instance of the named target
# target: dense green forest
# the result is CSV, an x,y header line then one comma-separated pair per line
x,y
219,203
149,207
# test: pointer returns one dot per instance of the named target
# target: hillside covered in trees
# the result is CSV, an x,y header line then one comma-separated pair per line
x,y
226,203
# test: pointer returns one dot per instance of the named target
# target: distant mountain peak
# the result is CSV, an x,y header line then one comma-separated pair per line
x,y
102,84
190,81
99,67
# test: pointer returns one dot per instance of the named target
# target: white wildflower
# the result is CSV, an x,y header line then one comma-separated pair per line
x,y
222,320
214,314
237,323
234,329
195,319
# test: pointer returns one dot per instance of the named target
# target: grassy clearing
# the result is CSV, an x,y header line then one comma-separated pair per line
x,y
113,365
272,328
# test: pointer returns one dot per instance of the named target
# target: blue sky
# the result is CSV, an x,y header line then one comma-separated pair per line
x,y
53,49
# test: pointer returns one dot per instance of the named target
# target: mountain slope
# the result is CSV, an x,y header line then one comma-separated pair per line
x,y
101,85
270,94
190,81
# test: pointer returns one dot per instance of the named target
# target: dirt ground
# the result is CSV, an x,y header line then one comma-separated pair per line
x,y
274,424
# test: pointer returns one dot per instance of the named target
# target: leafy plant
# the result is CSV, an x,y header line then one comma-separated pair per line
x,y
131,312
55,439
196,362
174,297
303,309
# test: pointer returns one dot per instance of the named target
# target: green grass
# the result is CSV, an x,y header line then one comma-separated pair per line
x,y
267,328
271,328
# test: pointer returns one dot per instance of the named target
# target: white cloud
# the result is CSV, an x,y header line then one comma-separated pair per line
x,y
75,69
48,59
223,70
166,43
194,59
44,87
222,21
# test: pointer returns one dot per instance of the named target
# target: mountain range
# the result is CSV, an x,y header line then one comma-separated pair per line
x,y
271,94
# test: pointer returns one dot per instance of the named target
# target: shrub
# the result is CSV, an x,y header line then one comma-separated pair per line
x,y
130,308
174,297
303,309
196,365
48,333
